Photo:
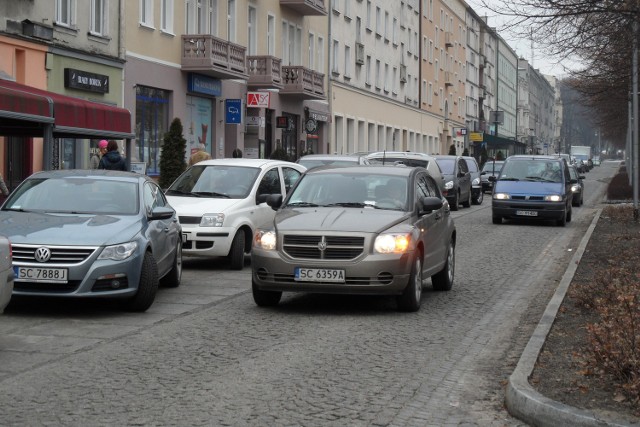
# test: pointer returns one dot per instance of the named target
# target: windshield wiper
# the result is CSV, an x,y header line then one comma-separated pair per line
x,y
353,205
509,179
303,204
209,193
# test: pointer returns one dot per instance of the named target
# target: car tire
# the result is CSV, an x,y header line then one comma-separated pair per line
x,y
569,214
265,298
479,198
467,202
455,202
173,278
562,221
410,299
496,219
148,285
236,254
443,280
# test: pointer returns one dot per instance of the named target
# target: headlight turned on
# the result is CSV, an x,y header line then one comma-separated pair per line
x,y
265,239
392,243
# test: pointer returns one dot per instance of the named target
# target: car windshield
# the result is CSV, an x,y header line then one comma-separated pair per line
x,y
391,160
531,170
75,195
472,166
231,182
573,173
492,166
355,190
447,165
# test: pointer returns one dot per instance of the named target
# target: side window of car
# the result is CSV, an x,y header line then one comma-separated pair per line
x,y
149,195
433,187
270,183
291,176
422,188
160,199
462,165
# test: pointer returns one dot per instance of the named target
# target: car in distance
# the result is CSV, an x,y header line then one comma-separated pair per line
x,y
578,187
477,195
383,233
457,180
92,233
220,203
6,273
533,187
490,168
313,160
411,159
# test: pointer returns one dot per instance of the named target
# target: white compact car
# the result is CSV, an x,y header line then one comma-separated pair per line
x,y
221,202
6,273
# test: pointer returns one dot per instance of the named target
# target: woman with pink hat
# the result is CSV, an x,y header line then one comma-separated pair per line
x,y
95,158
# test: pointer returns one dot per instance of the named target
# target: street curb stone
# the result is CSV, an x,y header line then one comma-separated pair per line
x,y
521,399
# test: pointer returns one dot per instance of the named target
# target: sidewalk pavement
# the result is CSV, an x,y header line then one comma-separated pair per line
x,y
521,399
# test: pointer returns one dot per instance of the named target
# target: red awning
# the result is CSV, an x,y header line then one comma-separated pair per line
x,y
72,117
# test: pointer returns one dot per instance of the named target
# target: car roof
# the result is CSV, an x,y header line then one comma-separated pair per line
x,y
90,173
405,154
364,170
353,157
446,156
533,157
242,161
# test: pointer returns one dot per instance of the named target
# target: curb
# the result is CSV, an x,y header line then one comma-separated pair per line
x,y
521,399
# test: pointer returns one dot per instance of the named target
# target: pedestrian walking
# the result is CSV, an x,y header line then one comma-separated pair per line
x,y
102,149
3,187
112,159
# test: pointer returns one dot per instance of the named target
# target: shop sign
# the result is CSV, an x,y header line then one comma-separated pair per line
x,y
282,122
82,80
197,83
233,110
258,99
318,116
476,136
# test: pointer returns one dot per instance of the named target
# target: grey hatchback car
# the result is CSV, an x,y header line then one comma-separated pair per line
x,y
383,232
92,233
457,180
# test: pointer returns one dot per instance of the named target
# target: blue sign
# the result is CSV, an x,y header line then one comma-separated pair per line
x,y
204,84
233,111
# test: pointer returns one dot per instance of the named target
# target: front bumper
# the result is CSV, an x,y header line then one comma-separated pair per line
x,y
206,241
525,209
370,274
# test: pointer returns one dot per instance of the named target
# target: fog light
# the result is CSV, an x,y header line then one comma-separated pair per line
x,y
115,284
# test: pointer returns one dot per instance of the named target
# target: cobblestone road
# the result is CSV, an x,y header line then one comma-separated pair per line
x,y
206,355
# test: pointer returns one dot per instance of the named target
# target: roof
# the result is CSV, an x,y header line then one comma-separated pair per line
x,y
364,170
242,161
403,154
81,173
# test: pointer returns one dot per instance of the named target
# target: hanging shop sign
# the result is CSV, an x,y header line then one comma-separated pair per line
x,y
82,80
258,99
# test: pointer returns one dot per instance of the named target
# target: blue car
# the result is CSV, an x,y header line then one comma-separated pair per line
x,y
92,233
533,187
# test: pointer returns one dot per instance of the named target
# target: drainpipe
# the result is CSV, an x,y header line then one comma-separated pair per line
x,y
329,85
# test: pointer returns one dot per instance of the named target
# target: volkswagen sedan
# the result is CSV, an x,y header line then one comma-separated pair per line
x,y
98,233
356,230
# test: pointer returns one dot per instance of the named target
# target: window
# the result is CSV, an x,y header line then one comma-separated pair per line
x,y
378,21
152,122
231,20
252,31
312,51
367,80
377,74
368,23
213,17
166,16
386,78
347,62
320,51
146,12
65,12
334,57
98,24
271,35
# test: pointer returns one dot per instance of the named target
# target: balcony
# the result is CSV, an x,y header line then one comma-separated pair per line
x,y
448,39
302,82
305,7
265,71
209,55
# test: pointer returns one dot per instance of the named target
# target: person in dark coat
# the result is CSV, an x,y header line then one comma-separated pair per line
x,y
112,159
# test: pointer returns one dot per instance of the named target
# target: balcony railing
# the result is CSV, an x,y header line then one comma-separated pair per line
x,y
212,56
265,71
302,82
306,7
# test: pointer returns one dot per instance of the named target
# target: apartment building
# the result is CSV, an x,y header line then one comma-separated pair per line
x,y
557,145
444,70
535,110
240,74
487,101
504,122
65,54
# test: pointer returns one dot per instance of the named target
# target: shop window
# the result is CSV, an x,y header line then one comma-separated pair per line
x,y
152,122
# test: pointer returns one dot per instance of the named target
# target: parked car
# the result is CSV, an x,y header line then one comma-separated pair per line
x,y
6,273
457,180
92,233
358,240
490,168
220,203
578,187
477,195
411,159
313,160
533,187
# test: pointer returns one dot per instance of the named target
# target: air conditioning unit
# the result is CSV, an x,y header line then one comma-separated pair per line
x,y
448,39
403,73
359,53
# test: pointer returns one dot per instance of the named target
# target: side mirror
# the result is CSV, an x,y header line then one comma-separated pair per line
x,y
274,200
261,198
430,204
161,212
492,178
483,173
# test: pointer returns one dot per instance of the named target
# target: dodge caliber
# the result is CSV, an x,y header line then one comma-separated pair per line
x,y
356,230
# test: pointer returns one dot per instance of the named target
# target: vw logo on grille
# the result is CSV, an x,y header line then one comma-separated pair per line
x,y
42,254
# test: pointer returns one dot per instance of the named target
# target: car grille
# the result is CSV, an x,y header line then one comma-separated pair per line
x,y
323,247
52,288
67,255
530,198
190,219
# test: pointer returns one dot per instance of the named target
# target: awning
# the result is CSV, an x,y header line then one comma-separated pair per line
x,y
23,107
